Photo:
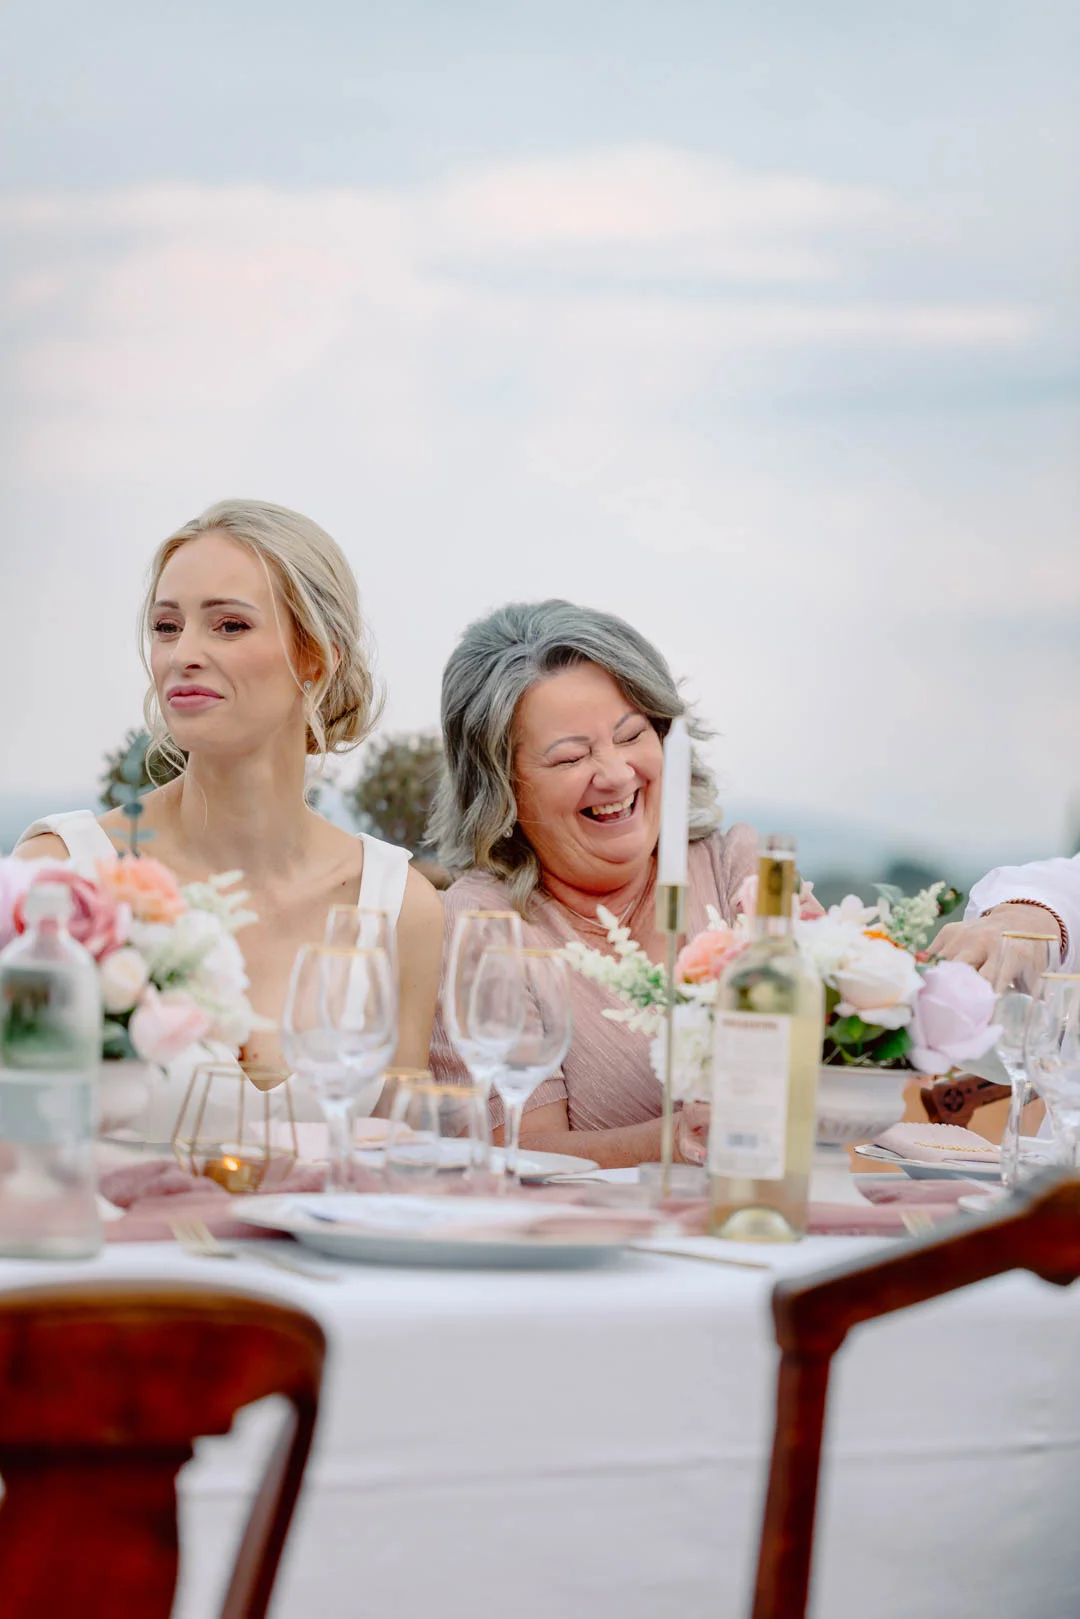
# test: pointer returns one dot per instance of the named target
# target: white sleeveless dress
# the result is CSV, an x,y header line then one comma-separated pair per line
x,y
382,888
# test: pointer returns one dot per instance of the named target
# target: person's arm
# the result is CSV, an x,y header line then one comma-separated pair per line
x,y
1041,897
547,1129
419,945
46,846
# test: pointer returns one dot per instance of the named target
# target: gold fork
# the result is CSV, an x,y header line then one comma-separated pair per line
x,y
196,1238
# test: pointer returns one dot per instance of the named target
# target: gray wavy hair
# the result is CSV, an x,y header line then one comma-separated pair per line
x,y
474,822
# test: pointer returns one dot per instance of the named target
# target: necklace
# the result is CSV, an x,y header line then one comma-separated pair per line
x,y
594,921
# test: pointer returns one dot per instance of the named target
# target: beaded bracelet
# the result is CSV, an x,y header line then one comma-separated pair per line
x,y
1041,906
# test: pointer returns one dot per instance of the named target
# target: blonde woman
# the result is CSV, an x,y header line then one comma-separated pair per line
x,y
256,653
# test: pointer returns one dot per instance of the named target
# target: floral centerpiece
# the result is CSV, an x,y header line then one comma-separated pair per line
x,y
888,1005
171,972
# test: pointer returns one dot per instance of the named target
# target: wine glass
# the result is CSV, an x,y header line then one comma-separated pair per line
x,y
354,927
475,933
1018,965
1052,1051
427,1123
539,1049
339,1032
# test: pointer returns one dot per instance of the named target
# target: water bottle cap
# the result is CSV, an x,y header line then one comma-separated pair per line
x,y
47,902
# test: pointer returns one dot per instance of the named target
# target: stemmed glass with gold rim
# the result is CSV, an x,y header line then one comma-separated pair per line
x,y
540,1048
1020,961
339,1031
1052,1052
483,1004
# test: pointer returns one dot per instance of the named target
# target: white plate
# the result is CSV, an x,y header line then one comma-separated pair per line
x,y
408,1230
950,1169
455,1155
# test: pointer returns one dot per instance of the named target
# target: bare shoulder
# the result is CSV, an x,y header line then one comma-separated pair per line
x,y
421,905
46,846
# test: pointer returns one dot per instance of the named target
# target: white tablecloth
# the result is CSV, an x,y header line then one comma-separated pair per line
x,y
591,1445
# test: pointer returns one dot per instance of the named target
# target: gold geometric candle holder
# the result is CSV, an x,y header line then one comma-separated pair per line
x,y
225,1130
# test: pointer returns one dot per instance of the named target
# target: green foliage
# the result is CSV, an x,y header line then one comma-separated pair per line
x,y
850,1040
393,796
125,779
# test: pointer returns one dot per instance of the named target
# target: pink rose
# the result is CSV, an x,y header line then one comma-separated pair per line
x,y
96,920
163,1026
15,878
952,1018
810,907
746,898
705,957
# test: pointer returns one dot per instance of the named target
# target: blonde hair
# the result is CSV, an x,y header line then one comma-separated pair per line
x,y
315,582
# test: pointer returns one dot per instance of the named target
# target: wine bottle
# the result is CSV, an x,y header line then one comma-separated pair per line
x,y
769,1029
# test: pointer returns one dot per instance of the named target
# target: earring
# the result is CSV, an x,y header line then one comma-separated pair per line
x,y
307,685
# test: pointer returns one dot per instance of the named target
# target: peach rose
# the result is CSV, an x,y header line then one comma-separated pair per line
x,y
705,957
96,920
146,886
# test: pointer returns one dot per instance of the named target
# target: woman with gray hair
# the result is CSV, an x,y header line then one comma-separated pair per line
x,y
554,718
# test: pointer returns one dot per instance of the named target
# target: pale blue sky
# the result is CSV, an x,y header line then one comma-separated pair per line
x,y
759,329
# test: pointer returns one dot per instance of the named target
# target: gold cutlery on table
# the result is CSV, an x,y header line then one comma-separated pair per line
x,y
197,1239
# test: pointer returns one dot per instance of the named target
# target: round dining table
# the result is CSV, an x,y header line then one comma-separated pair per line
x,y
593,1444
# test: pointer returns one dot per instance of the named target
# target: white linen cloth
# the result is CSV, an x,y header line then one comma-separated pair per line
x,y
1053,882
592,1445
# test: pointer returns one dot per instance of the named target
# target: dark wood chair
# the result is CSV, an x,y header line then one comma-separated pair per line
x,y
814,1314
955,1101
103,1388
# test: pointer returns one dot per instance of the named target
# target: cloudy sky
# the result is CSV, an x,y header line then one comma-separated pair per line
x,y
756,325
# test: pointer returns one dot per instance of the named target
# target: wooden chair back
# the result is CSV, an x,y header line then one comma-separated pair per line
x,y
813,1315
955,1101
103,1388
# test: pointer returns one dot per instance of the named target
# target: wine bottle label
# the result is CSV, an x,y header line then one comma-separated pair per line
x,y
748,1128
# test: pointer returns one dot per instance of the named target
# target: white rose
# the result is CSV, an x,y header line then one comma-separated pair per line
x,y
828,942
123,975
221,973
878,984
691,1075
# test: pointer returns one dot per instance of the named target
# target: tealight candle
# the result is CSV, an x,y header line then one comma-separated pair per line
x,y
675,808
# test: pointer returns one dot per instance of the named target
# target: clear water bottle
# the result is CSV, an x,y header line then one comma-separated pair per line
x,y
50,1046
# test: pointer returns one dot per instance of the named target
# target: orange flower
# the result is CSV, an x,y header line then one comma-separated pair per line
x,y
146,886
879,933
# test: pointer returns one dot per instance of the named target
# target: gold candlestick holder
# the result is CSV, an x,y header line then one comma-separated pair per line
x,y
671,904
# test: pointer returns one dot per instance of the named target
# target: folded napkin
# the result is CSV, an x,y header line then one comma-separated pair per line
x,y
937,1143
156,1192
887,1210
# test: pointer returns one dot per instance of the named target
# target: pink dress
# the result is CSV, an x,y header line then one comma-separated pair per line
x,y
607,1080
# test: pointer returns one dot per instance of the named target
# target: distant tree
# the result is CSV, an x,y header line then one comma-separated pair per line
x,y
393,795
125,771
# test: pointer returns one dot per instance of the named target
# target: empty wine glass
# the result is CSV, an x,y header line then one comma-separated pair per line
x,y
539,1049
1016,969
475,933
339,1032
1052,1051
431,1129
354,927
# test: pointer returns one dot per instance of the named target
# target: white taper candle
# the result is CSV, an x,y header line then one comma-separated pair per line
x,y
675,807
